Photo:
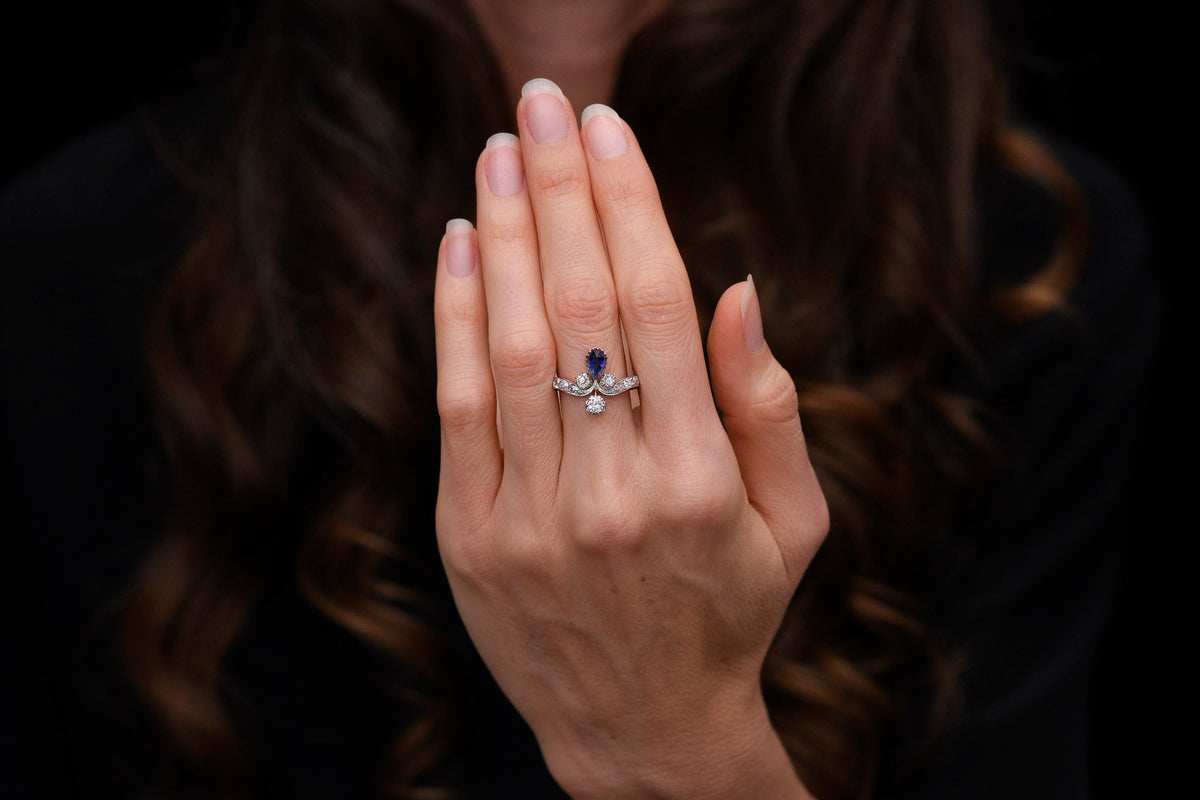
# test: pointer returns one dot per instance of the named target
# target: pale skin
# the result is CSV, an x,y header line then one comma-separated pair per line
x,y
621,574
577,43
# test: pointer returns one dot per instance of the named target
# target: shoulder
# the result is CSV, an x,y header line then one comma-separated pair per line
x,y
1116,281
84,237
1112,311
1118,245
1061,394
70,209
1020,589
1068,385
109,205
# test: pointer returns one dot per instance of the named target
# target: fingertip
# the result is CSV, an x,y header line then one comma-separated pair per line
x,y
459,248
546,111
725,330
752,327
603,132
727,360
502,139
457,226
741,365
503,167
594,110
541,86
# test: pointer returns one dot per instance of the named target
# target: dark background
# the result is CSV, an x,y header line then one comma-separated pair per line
x,y
1101,75
1108,76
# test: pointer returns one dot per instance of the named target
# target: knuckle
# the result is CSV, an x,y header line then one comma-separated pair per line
x,y
464,404
458,310
608,529
464,552
818,519
560,181
777,401
625,190
470,559
704,504
503,233
586,304
657,298
600,523
523,359
528,552
821,520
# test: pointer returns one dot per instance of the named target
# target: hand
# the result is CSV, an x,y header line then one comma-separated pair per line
x,y
621,574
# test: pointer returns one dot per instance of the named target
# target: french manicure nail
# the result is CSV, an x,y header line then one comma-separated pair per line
x,y
603,132
752,328
545,111
460,251
502,165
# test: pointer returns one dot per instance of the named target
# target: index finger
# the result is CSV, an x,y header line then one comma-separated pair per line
x,y
654,294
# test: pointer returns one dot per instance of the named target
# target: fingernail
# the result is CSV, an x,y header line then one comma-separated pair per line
x,y
545,111
751,317
460,250
603,132
502,165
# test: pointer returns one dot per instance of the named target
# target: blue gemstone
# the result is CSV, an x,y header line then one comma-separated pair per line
x,y
596,359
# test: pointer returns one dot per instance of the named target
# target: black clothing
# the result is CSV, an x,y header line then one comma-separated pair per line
x,y
1023,587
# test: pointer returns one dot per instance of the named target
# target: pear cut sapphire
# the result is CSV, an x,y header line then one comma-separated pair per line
x,y
596,359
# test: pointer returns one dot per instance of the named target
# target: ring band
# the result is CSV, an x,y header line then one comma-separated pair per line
x,y
596,382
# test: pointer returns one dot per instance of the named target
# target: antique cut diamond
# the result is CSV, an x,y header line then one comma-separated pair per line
x,y
595,382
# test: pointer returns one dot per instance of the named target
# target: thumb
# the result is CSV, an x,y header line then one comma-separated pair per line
x,y
760,410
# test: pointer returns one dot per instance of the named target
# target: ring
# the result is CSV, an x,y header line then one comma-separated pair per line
x,y
592,384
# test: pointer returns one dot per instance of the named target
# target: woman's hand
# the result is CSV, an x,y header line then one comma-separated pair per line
x,y
623,573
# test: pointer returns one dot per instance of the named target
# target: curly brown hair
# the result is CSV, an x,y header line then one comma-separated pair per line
x,y
291,348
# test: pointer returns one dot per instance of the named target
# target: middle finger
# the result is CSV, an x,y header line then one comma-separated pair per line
x,y
581,298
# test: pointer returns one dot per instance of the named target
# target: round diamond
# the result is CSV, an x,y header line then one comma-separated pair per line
x,y
608,381
595,404
583,380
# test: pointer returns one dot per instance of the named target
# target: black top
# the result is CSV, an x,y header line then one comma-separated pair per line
x,y
1023,587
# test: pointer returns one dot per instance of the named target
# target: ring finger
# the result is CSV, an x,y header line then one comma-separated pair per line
x,y
580,296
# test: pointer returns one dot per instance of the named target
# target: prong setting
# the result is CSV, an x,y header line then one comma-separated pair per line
x,y
595,382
